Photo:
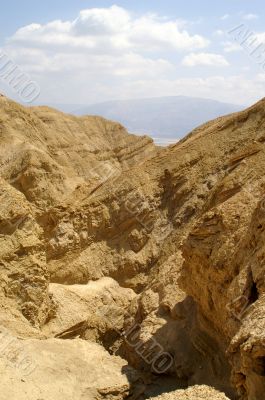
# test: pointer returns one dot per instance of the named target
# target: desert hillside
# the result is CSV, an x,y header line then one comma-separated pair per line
x,y
128,270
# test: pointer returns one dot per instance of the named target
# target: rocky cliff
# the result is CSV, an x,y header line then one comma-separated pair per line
x,y
148,259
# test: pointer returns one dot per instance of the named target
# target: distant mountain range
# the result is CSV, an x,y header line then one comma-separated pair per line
x,y
166,119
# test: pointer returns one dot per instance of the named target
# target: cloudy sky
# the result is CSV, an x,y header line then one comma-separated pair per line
x,y
83,52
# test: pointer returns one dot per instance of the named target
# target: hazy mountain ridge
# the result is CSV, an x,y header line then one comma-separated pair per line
x,y
166,119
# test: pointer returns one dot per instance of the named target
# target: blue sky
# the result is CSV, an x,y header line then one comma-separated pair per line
x,y
84,51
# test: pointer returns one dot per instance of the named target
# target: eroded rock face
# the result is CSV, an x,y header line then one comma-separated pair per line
x,y
24,273
45,156
61,369
96,223
94,312
193,393
223,253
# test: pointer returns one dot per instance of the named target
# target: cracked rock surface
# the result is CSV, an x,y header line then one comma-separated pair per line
x,y
103,234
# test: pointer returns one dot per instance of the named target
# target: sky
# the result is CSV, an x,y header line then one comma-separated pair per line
x,y
85,52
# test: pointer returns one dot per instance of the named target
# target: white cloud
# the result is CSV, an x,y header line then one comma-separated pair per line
x,y
110,30
91,56
101,21
98,66
109,53
230,47
260,37
219,32
209,59
224,17
249,17
243,35
235,89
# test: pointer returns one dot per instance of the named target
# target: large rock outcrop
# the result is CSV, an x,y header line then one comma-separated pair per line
x,y
61,369
193,393
173,240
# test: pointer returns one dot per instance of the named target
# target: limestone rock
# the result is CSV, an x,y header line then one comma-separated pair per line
x,y
96,311
193,393
61,369
180,229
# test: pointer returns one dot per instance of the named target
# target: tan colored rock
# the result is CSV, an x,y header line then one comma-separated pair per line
x,y
23,274
182,226
94,312
45,156
61,369
193,393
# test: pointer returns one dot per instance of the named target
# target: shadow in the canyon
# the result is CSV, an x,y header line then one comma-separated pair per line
x,y
194,355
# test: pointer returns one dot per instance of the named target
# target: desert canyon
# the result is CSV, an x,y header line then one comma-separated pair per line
x,y
128,270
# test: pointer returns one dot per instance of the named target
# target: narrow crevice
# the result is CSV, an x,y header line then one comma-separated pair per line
x,y
254,294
